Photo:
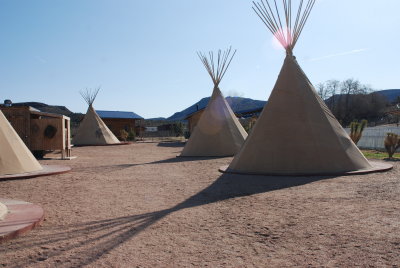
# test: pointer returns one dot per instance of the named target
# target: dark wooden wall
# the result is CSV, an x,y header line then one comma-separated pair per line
x,y
117,124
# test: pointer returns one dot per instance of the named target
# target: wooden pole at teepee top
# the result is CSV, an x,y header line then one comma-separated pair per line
x,y
217,69
270,15
89,95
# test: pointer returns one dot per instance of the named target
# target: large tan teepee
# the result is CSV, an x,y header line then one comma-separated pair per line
x,y
92,130
218,132
296,133
15,157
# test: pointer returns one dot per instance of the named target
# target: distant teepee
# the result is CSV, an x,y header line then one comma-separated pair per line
x,y
296,133
92,130
15,157
218,132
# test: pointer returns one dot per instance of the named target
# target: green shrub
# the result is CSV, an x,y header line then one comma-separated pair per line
x,y
123,134
178,129
131,135
187,134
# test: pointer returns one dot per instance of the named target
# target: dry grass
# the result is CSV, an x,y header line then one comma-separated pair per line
x,y
373,154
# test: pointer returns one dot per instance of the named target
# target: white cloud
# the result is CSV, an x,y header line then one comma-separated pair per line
x,y
354,51
233,93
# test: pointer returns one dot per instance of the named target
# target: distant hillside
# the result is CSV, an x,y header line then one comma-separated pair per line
x,y
55,109
390,94
157,118
236,103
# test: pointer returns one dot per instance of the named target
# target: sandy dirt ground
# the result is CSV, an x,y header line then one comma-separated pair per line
x,y
140,206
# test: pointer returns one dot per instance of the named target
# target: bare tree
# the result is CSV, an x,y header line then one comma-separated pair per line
x,y
350,100
332,87
348,87
321,90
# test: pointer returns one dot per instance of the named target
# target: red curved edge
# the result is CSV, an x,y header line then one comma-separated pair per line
x,y
46,171
376,167
21,218
204,156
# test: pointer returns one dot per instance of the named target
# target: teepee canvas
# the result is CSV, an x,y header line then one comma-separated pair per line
x,y
296,133
92,130
218,132
15,157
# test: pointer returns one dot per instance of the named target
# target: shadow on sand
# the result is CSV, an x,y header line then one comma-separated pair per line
x,y
111,168
171,144
393,159
81,244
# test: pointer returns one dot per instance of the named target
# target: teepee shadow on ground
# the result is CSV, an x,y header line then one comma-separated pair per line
x,y
391,159
83,243
118,167
171,144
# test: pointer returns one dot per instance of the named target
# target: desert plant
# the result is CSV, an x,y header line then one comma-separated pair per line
x,y
246,127
248,123
178,129
123,134
392,143
356,129
131,135
186,134
252,122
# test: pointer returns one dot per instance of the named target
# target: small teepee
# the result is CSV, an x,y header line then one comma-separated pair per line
x,y
296,133
218,132
15,157
92,130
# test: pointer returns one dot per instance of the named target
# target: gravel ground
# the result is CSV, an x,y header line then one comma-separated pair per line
x,y
140,206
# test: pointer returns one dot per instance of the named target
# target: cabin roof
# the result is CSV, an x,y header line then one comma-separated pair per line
x,y
118,114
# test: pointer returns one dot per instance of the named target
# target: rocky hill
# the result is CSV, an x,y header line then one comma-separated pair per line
x,y
236,103
392,95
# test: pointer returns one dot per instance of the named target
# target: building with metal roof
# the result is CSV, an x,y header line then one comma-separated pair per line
x,y
118,114
117,121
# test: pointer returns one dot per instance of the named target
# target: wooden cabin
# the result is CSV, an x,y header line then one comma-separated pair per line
x,y
248,117
193,119
117,121
40,131
254,112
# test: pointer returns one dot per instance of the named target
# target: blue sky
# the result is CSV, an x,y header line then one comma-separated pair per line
x,y
143,53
